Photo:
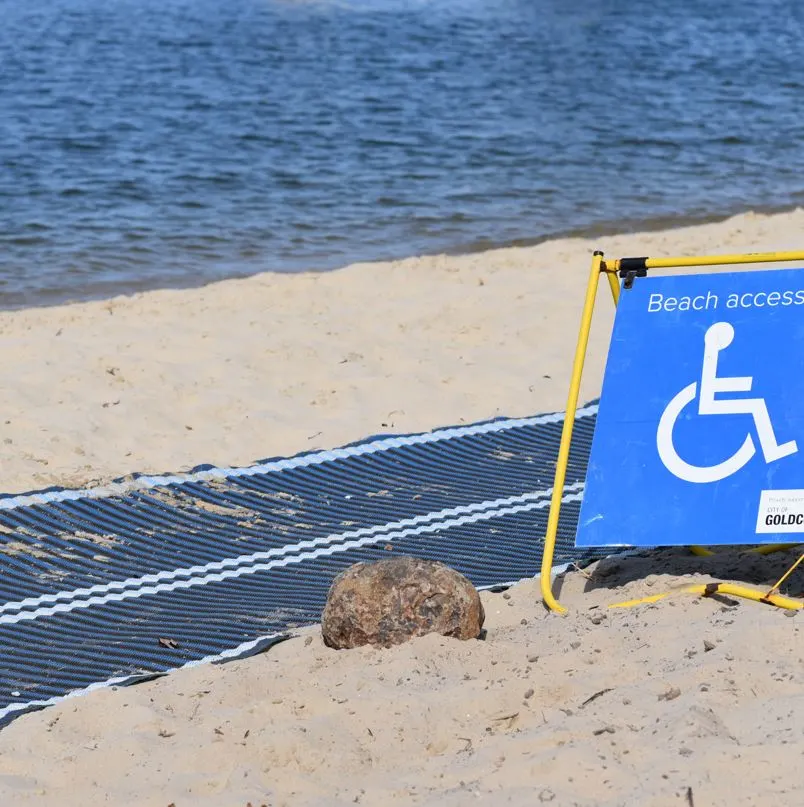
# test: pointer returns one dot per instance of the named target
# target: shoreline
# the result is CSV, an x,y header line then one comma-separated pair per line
x,y
273,365
602,230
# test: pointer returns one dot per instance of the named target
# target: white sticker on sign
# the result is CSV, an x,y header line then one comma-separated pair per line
x,y
781,511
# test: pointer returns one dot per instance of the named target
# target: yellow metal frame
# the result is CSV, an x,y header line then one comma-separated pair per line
x,y
611,270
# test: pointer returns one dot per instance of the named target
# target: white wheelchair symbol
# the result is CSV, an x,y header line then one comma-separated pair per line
x,y
718,337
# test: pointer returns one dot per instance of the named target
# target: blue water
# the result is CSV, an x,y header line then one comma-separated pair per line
x,y
148,143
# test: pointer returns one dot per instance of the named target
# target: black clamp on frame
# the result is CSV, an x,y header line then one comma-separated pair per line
x,y
631,268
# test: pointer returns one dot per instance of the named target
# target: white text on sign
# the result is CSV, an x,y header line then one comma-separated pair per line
x,y
709,301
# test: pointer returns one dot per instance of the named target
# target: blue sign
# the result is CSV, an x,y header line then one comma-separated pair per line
x,y
700,432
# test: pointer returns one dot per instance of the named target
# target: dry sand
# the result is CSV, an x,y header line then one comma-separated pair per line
x,y
273,365
276,364
602,707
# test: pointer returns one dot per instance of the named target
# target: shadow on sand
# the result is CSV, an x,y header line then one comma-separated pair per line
x,y
727,564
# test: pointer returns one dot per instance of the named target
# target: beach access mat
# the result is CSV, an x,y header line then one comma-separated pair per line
x,y
118,584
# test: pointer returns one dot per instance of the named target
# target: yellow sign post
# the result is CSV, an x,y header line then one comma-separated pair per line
x,y
627,269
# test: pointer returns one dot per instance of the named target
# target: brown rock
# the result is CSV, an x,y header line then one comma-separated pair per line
x,y
390,601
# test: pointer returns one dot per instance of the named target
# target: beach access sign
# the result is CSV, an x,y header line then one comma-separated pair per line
x,y
700,431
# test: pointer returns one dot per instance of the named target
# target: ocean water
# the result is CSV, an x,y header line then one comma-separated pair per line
x,y
149,143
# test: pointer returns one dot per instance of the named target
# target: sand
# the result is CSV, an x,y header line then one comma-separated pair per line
x,y
277,364
603,706
687,701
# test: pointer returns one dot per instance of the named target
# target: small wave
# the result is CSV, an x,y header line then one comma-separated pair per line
x,y
25,241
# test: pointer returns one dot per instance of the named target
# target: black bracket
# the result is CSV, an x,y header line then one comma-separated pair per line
x,y
631,268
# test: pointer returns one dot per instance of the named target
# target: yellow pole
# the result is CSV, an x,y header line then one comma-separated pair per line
x,y
614,285
708,589
778,583
719,260
566,434
769,549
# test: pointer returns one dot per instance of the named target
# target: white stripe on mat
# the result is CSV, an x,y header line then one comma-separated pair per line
x,y
511,506
240,560
233,652
383,444
226,654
